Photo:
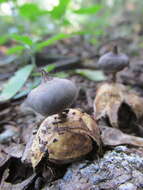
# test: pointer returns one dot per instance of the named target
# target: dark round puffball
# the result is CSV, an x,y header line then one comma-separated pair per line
x,y
52,96
111,62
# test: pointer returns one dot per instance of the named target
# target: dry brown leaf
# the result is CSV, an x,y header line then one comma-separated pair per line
x,y
113,137
108,100
119,108
136,103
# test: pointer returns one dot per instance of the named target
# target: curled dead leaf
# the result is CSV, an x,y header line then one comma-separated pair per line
x,y
119,108
113,137
107,102
136,104
65,137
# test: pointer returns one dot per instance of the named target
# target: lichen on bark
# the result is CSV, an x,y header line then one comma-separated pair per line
x,y
120,169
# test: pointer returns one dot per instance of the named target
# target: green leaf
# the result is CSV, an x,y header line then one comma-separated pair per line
x,y
51,41
89,31
15,50
23,39
2,1
3,39
31,11
59,10
89,10
91,75
29,87
16,82
65,22
62,74
49,67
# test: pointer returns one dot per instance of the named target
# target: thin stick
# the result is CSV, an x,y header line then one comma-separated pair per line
x,y
114,76
115,49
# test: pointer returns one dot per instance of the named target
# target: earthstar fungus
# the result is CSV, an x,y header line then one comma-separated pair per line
x,y
65,138
52,96
113,62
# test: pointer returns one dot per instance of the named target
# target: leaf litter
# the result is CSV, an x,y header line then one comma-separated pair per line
x,y
119,118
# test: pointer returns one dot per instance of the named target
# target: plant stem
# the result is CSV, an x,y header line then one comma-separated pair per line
x,y
33,59
115,49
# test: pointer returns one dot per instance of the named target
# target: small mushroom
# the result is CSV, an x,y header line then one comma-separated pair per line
x,y
113,62
52,96
65,138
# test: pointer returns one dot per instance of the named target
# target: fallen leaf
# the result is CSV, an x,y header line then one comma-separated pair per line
x,y
27,184
113,137
16,82
91,75
136,103
7,60
11,160
117,107
8,133
107,102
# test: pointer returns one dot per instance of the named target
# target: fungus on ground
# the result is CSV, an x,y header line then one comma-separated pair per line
x,y
113,62
65,140
52,96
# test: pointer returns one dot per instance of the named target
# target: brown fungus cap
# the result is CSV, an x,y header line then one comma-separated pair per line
x,y
65,138
113,61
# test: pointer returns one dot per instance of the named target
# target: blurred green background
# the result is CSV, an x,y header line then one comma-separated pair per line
x,y
27,27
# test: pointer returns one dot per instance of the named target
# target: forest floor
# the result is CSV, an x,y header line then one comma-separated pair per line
x,y
126,163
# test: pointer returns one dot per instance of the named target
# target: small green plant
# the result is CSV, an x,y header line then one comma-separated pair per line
x,y
28,20
27,45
